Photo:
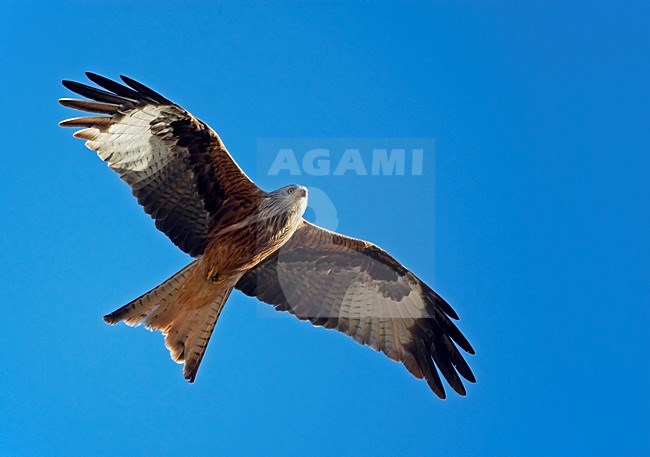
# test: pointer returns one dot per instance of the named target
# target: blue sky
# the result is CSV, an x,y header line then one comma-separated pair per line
x,y
531,218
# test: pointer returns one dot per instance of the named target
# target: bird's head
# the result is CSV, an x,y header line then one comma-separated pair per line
x,y
295,191
291,198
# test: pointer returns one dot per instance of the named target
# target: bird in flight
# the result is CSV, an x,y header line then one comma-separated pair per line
x,y
244,238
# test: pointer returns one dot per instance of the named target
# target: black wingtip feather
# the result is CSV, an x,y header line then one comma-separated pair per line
x,y
458,361
145,90
113,86
447,369
450,328
437,301
446,307
466,373
93,93
429,370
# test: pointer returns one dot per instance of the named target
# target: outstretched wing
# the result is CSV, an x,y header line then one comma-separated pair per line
x,y
356,288
177,166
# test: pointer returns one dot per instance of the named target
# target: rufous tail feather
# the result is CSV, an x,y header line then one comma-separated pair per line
x,y
187,330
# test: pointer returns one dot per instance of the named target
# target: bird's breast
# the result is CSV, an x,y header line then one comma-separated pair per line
x,y
242,245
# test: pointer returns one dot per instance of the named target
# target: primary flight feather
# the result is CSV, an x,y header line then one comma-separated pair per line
x,y
255,241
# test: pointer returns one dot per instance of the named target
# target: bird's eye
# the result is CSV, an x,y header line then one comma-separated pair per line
x,y
290,191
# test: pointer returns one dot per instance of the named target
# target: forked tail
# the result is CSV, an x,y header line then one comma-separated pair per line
x,y
187,330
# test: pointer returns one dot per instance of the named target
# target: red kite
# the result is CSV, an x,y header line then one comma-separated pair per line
x,y
255,241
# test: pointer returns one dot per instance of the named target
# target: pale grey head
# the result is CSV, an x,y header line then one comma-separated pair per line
x,y
291,198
